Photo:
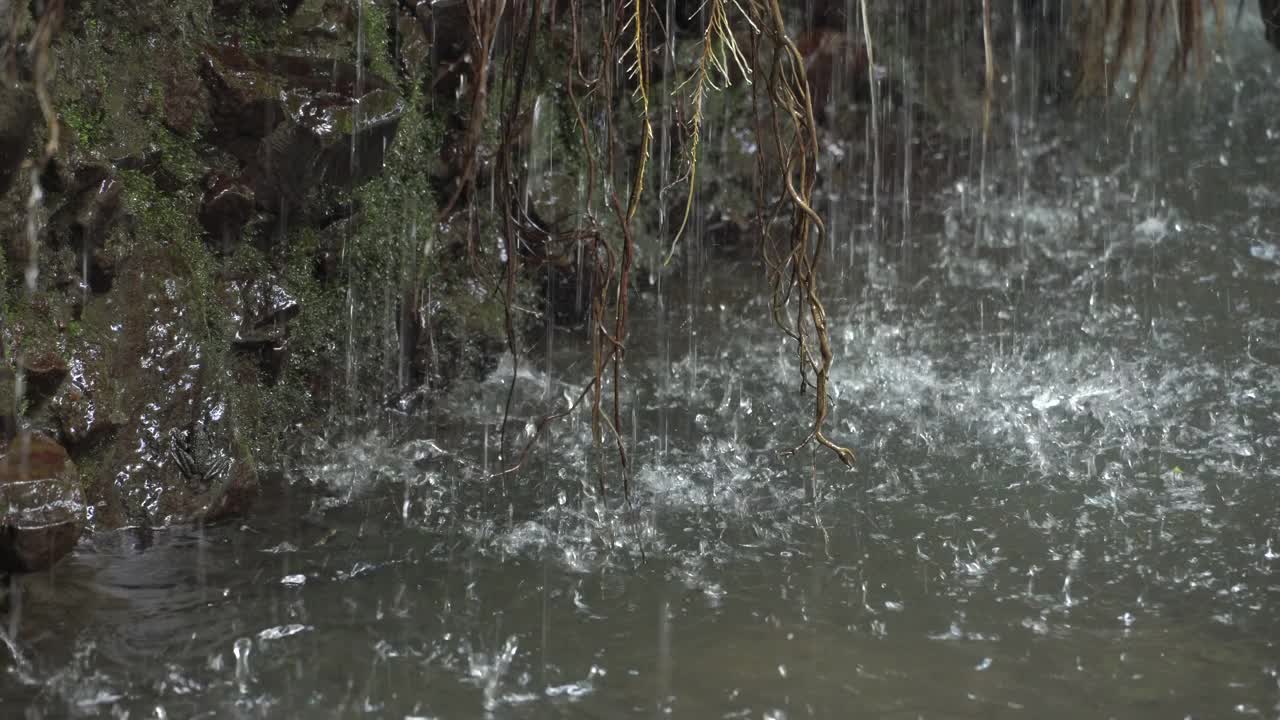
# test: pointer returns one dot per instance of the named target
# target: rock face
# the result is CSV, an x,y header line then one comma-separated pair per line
x,y
176,457
42,509
18,114
294,123
1270,11
84,222
231,180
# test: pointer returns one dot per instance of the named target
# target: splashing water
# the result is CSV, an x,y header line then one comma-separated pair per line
x,y
1060,377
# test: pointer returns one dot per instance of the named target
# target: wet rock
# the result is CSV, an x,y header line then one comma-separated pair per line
x,y
227,207
44,373
296,123
80,416
1270,11
42,506
449,25
261,9
146,358
144,398
265,309
412,45
186,100
324,28
18,114
81,412
84,222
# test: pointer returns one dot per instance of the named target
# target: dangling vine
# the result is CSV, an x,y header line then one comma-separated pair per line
x,y
601,84
795,137
718,47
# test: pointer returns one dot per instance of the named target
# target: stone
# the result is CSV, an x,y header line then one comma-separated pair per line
x,y
261,9
83,422
186,100
145,360
449,26
84,222
226,208
324,28
1270,12
44,374
263,310
296,123
412,46
18,114
42,507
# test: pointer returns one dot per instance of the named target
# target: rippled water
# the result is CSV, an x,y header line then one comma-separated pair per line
x,y
1065,394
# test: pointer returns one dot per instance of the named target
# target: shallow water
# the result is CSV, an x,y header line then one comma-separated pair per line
x,y
1065,395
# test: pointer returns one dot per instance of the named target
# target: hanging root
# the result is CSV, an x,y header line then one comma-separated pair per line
x,y
989,66
39,48
639,71
796,140
718,47
484,17
1115,33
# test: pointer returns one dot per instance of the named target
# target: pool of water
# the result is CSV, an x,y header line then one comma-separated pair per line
x,y
1063,383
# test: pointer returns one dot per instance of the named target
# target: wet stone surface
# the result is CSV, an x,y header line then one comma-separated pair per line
x,y
18,115
152,368
174,281
42,508
297,122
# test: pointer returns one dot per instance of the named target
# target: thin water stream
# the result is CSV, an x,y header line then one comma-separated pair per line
x,y
1066,402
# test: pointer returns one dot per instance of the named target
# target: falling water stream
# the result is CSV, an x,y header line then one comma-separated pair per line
x,y
1062,377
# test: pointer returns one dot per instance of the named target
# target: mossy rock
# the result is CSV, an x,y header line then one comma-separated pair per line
x,y
153,358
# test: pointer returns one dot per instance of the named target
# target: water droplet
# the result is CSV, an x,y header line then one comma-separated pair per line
x,y
241,650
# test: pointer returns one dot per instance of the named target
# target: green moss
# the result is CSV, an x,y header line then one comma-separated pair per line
x,y
311,332
255,33
112,98
376,34
267,415
88,123
162,226
158,215
33,325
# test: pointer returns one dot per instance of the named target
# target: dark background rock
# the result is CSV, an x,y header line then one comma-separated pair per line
x,y
89,212
1270,10
44,375
186,99
226,208
262,9
264,308
296,123
18,114
229,176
